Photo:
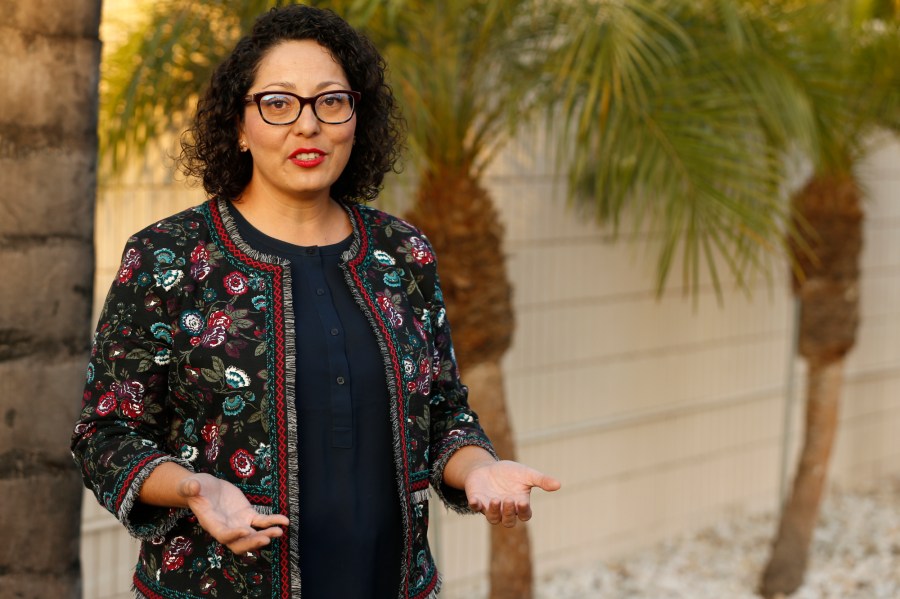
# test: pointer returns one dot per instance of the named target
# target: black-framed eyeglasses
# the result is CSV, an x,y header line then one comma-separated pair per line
x,y
283,108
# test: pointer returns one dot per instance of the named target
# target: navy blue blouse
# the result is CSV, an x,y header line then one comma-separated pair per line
x,y
350,526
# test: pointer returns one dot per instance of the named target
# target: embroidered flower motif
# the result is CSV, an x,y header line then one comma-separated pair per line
x,y
161,331
409,367
132,258
191,374
164,256
90,373
173,556
236,378
259,302
235,283
115,351
198,565
210,432
209,294
199,254
213,336
131,261
200,267
168,278
219,318
151,302
256,282
188,453
233,405
207,583
384,258
419,251
264,456
392,278
162,357
242,463
132,409
106,404
128,390
124,275
144,279
191,322
200,271
189,428
387,303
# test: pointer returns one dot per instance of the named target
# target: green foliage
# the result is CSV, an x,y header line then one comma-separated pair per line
x,y
692,113
152,80
678,116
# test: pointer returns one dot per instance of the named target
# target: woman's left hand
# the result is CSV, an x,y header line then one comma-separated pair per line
x,y
502,490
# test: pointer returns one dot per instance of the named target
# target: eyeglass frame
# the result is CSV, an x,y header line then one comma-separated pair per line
x,y
257,97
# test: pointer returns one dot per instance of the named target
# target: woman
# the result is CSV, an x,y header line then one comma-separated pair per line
x,y
272,385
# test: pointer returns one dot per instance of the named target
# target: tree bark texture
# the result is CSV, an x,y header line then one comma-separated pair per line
x,y
461,222
49,56
787,565
830,213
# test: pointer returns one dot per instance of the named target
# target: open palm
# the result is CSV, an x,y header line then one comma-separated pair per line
x,y
502,491
224,512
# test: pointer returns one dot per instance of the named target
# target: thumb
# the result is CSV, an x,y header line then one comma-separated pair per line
x,y
546,482
189,487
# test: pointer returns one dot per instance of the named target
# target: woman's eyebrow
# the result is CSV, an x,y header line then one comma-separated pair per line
x,y
289,85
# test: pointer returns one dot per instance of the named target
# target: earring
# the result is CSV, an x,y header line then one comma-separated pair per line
x,y
243,146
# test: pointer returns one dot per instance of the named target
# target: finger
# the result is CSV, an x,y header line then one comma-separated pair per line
x,y
271,533
247,544
523,510
189,487
232,535
508,514
492,513
265,521
547,482
478,503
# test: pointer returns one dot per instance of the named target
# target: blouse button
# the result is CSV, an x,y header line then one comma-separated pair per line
x,y
340,380
334,331
320,291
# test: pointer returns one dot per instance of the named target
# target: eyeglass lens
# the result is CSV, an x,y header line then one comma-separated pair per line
x,y
283,108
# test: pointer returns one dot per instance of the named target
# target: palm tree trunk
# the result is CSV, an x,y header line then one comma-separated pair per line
x,y
461,222
787,566
48,151
829,297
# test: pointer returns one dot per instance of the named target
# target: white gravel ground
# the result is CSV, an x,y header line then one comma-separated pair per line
x,y
855,555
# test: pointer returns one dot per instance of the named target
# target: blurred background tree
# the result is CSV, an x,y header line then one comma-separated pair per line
x,y
846,57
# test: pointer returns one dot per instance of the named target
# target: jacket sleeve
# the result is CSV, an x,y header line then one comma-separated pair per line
x,y
120,435
453,423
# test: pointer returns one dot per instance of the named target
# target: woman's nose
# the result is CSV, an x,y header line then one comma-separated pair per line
x,y
307,123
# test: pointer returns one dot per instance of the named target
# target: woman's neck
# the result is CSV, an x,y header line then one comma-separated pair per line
x,y
299,221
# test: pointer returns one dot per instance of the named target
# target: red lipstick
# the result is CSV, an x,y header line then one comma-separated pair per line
x,y
307,157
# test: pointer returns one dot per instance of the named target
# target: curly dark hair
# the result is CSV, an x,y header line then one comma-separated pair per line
x,y
209,148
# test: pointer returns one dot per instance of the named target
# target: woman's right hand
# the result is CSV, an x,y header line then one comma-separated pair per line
x,y
224,512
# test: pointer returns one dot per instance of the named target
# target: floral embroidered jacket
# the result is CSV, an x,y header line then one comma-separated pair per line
x,y
193,363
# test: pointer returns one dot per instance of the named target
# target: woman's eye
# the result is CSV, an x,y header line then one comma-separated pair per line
x,y
332,100
276,102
